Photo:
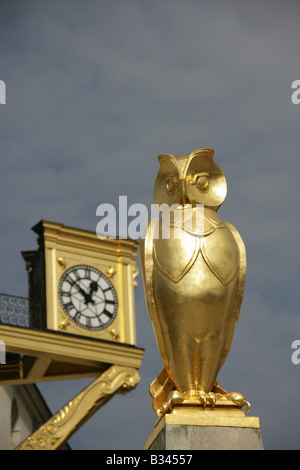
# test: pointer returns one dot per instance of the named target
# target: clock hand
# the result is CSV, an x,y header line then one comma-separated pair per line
x,y
83,293
88,296
93,288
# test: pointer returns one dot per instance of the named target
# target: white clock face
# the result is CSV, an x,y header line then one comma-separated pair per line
x,y
88,297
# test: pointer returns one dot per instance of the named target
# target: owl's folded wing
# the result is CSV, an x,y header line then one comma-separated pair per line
x,y
146,257
240,290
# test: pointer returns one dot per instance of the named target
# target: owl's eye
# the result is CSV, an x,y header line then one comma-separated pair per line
x,y
201,180
171,184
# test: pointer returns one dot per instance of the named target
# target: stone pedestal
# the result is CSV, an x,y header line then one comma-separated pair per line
x,y
225,427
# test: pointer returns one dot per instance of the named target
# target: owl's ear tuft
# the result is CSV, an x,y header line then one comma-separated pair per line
x,y
164,157
203,153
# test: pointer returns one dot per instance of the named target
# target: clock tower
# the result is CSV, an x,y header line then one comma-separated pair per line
x,y
82,285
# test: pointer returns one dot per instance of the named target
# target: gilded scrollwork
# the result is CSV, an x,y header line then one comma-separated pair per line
x,y
59,428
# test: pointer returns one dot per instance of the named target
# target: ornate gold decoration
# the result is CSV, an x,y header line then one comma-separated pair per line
x,y
115,335
63,324
62,425
193,281
111,271
61,262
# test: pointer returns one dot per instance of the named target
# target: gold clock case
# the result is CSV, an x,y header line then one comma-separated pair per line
x,y
62,247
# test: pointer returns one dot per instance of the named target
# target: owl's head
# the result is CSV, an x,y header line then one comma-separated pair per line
x,y
190,179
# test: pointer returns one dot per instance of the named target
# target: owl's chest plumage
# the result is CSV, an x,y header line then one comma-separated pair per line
x,y
213,254
195,280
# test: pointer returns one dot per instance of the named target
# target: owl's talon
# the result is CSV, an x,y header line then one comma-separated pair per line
x,y
202,396
207,398
212,399
174,398
237,398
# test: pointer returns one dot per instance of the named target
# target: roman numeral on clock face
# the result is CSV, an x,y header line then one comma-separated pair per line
x,y
109,314
70,280
87,273
65,293
107,289
77,317
69,306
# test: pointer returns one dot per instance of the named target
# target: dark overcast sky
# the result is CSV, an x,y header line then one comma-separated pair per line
x,y
95,91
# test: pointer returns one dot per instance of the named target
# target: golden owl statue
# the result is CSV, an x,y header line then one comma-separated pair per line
x,y
193,281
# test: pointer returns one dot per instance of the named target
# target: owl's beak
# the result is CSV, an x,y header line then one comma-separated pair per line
x,y
183,198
